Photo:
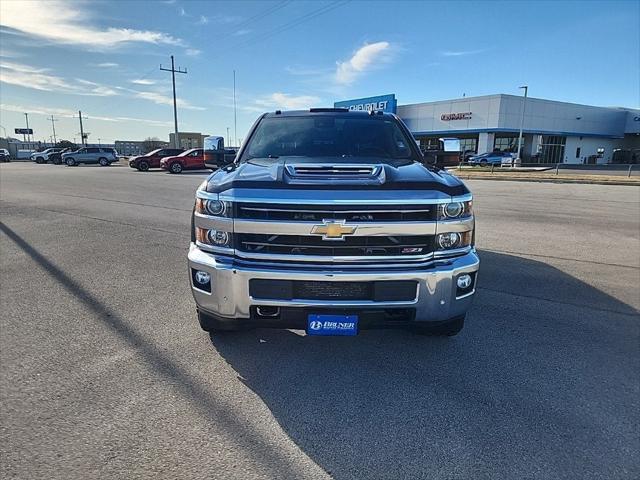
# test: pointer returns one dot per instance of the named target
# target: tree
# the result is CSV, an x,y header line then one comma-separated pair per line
x,y
65,144
151,143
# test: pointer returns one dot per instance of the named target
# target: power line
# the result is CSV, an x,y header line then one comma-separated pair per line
x,y
289,25
173,71
261,15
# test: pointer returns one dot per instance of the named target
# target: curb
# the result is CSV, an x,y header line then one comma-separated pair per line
x,y
589,181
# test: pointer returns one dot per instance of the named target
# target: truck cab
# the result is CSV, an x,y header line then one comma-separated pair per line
x,y
331,221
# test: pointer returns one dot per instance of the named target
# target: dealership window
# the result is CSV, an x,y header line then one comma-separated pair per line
x,y
552,149
506,144
578,152
432,143
469,144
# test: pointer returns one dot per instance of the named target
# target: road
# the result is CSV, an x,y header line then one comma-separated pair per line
x,y
105,373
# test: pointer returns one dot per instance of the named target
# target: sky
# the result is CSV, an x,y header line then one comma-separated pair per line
x,y
58,57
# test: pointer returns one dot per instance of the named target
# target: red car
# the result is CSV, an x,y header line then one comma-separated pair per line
x,y
152,159
189,160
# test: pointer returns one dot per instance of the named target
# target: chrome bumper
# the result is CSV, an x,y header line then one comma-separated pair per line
x,y
436,299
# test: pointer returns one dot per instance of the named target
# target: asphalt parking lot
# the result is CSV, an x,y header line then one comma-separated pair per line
x,y
106,374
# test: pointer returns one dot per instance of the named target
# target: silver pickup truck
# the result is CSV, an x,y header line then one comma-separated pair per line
x,y
330,221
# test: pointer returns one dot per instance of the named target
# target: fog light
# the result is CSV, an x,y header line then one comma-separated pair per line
x,y
203,277
449,240
464,281
219,238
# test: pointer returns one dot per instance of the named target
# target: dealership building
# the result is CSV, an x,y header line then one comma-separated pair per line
x,y
553,132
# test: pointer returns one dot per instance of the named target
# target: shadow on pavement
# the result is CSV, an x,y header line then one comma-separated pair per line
x,y
210,408
536,385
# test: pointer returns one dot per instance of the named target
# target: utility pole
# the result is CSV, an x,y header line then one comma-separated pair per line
x,y
173,71
81,130
228,139
99,144
524,104
53,126
26,116
235,117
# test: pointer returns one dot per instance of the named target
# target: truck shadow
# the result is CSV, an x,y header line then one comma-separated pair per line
x,y
540,383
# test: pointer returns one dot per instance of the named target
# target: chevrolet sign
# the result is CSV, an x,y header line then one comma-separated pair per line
x,y
445,117
333,230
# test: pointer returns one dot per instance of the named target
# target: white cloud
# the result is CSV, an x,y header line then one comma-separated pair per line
x,y
287,101
202,20
183,12
105,65
367,57
38,79
242,31
63,112
70,23
192,52
459,53
160,99
143,81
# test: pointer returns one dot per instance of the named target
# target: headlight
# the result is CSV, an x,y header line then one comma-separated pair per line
x,y
217,238
451,240
453,210
214,208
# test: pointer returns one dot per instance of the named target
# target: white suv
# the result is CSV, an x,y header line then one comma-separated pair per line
x,y
43,156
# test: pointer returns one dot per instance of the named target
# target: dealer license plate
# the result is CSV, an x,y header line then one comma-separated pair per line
x,y
332,324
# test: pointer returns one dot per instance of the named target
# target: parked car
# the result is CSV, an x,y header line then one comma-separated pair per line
x,y
152,159
491,158
103,156
466,155
4,155
43,156
188,160
56,157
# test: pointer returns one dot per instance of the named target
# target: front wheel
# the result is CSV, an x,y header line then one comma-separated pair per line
x,y
449,328
175,167
39,160
143,166
103,162
70,162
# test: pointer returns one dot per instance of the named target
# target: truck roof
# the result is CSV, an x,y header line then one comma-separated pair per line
x,y
326,111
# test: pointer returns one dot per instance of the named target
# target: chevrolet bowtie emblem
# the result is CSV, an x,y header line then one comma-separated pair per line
x,y
331,230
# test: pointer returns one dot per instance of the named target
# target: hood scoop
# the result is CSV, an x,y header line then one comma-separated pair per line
x,y
327,173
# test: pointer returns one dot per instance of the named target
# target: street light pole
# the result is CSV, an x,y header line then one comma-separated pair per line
x,y
26,116
524,104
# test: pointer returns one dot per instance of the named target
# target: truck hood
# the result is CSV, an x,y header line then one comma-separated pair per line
x,y
284,174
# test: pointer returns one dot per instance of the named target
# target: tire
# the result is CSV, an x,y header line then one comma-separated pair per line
x,y
175,167
39,160
143,166
103,162
71,162
57,161
483,163
449,328
212,325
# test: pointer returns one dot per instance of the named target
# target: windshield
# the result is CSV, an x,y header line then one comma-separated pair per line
x,y
339,135
188,152
152,152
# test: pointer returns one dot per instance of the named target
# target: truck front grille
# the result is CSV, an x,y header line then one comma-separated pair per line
x,y
350,213
397,246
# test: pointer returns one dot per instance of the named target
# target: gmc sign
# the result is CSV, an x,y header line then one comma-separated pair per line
x,y
445,117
